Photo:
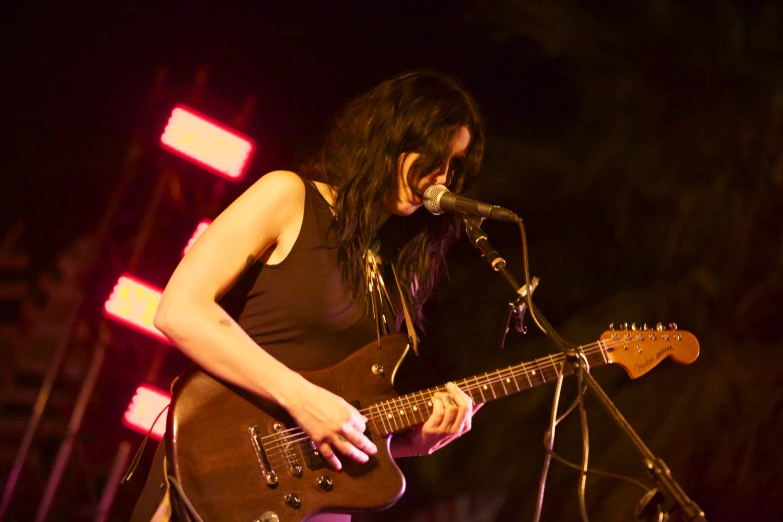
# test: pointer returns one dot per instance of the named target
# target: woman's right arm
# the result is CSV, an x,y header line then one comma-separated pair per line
x,y
265,218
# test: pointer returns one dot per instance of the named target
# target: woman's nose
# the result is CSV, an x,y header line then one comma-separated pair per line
x,y
440,177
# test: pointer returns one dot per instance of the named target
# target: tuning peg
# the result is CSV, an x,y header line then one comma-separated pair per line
x,y
672,326
611,326
660,327
633,327
625,326
645,327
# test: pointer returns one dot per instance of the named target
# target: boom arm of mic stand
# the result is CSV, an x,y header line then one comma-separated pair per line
x,y
656,467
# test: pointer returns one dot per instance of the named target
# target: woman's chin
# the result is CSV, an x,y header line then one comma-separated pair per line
x,y
403,208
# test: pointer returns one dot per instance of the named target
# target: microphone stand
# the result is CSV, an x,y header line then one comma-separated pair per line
x,y
668,501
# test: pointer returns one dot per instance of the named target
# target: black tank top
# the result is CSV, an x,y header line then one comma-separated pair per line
x,y
298,310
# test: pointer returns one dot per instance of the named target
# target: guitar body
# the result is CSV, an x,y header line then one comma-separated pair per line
x,y
224,476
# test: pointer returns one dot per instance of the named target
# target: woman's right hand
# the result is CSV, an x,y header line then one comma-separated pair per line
x,y
331,423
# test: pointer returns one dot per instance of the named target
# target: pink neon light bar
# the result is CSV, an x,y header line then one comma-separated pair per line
x,y
145,406
207,143
133,303
200,228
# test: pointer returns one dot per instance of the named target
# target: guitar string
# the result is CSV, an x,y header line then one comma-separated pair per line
x,y
589,349
504,374
279,452
308,450
285,437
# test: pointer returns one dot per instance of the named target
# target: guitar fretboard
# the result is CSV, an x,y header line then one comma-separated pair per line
x,y
411,410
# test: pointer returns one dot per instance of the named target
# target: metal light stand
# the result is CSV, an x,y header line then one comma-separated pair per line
x,y
668,501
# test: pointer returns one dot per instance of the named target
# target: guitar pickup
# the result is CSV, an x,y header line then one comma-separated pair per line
x,y
313,458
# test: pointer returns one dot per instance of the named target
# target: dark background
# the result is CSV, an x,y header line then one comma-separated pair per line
x,y
642,144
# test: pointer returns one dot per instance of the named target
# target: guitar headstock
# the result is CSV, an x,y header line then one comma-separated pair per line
x,y
640,349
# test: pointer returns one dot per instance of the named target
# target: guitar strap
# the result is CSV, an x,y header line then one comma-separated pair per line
x,y
413,339
377,292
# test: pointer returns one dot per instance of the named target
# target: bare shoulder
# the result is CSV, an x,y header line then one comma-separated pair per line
x,y
264,217
279,184
273,205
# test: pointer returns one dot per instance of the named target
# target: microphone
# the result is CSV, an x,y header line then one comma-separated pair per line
x,y
438,199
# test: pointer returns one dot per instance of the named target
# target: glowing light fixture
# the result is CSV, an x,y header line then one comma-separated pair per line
x,y
202,226
144,408
133,303
207,143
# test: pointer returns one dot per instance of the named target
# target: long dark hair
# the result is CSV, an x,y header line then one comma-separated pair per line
x,y
415,112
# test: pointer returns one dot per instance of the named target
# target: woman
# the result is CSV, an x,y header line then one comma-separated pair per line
x,y
279,281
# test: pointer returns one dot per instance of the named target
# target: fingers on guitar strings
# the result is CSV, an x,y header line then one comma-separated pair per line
x,y
329,456
352,443
445,412
462,403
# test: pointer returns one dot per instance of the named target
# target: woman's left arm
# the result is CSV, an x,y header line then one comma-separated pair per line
x,y
452,416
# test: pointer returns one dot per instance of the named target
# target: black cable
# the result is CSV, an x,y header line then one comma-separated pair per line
x,y
585,443
593,471
550,434
137,456
191,510
548,330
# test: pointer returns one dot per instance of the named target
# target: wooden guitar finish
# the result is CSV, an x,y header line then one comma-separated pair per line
x,y
214,459
241,458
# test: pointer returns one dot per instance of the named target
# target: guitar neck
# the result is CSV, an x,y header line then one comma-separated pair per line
x,y
408,411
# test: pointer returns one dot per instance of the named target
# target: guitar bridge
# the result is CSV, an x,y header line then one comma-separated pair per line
x,y
293,461
266,469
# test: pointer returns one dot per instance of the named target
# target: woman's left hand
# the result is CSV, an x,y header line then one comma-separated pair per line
x,y
452,416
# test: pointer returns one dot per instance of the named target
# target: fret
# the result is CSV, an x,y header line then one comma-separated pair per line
x,y
403,411
524,370
379,415
387,412
399,408
554,365
424,406
475,378
390,415
491,387
505,391
415,412
427,401
470,390
511,372
602,350
463,385
414,406
540,371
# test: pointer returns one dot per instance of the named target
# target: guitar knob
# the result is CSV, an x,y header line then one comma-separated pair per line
x,y
672,326
269,516
293,500
325,482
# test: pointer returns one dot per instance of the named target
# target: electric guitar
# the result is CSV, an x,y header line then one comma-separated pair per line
x,y
241,458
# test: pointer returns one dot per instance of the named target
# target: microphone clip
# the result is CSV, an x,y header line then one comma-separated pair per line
x,y
516,310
